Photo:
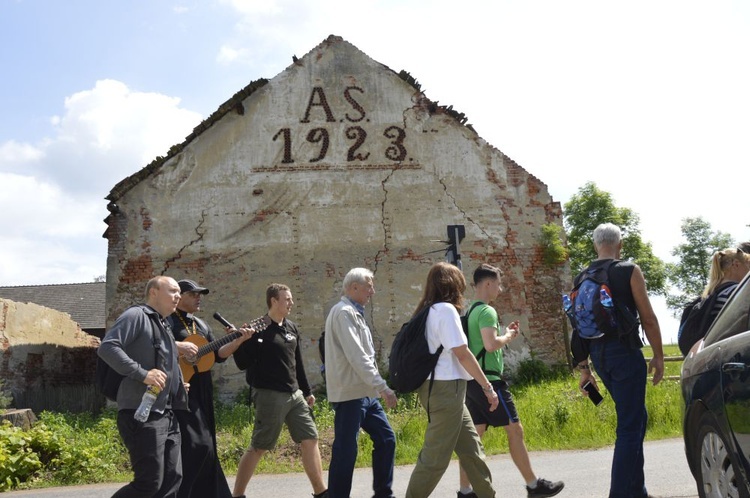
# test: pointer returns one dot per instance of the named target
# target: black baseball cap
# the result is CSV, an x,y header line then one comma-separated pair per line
x,y
191,286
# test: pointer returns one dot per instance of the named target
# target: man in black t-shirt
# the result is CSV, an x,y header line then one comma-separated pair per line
x,y
281,393
621,365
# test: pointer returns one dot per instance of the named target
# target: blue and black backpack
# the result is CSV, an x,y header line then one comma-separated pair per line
x,y
593,311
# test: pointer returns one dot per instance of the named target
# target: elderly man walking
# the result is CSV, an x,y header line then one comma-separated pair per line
x,y
354,385
621,365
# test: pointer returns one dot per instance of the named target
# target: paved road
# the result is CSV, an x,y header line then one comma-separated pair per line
x,y
586,474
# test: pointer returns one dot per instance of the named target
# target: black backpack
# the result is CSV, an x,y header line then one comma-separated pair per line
x,y
696,319
595,313
108,381
410,361
480,357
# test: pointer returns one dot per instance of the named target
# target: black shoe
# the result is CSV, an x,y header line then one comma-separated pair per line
x,y
470,494
545,488
323,494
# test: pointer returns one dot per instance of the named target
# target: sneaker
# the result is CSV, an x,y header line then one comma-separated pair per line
x,y
323,494
470,494
545,488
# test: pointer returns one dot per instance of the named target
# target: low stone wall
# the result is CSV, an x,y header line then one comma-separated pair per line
x,y
44,353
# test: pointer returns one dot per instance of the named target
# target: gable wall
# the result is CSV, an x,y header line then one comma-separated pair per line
x,y
230,211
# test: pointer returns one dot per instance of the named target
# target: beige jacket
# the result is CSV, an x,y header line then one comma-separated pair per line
x,y
351,368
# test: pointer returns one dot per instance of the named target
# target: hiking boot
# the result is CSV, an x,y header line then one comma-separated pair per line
x,y
545,488
470,494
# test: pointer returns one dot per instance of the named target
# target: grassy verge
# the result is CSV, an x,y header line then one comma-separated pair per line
x,y
80,449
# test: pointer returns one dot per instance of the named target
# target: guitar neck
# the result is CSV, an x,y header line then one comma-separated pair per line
x,y
217,344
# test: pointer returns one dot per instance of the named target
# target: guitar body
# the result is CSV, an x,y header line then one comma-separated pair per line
x,y
204,361
201,364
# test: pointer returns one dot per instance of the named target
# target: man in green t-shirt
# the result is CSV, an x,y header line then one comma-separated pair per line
x,y
486,343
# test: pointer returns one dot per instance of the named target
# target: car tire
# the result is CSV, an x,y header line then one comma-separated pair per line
x,y
716,470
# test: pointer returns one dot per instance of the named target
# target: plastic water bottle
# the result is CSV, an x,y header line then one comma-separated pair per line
x,y
608,306
568,305
149,397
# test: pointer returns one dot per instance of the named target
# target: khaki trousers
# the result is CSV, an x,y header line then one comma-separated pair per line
x,y
449,430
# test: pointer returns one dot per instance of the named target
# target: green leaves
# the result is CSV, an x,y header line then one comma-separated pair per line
x,y
690,275
553,250
591,207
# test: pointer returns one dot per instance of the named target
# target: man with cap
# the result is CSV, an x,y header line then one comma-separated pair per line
x,y
202,473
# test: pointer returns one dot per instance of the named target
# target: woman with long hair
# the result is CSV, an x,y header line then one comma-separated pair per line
x,y
449,426
728,267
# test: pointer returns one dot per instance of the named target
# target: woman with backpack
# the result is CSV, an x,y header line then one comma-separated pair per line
x,y
449,426
728,267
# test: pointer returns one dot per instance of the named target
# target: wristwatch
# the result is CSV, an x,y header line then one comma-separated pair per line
x,y
488,388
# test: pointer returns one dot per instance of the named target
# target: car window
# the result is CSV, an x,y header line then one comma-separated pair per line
x,y
734,318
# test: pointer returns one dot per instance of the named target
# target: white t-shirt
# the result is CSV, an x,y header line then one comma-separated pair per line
x,y
444,327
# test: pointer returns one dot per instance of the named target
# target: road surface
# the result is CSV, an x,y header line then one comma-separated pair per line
x,y
585,472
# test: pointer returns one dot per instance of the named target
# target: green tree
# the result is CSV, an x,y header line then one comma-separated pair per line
x,y
555,253
591,207
690,275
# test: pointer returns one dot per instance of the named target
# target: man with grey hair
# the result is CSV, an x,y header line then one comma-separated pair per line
x,y
354,385
621,365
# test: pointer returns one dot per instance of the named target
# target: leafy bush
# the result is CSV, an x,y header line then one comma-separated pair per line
x,y
553,250
534,371
62,449
18,461
6,399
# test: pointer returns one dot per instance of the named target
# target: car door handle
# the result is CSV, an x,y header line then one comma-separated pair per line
x,y
733,367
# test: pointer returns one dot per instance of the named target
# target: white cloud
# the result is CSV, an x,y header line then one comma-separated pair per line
x,y
110,132
52,193
48,235
14,154
227,55
254,7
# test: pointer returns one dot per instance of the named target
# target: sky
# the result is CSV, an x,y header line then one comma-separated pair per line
x,y
649,99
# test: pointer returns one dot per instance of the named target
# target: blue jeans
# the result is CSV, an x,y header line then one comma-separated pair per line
x,y
623,371
365,413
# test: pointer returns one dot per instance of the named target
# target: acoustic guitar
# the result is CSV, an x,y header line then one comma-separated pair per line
x,y
202,361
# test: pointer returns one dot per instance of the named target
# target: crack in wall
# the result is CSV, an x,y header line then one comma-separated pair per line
x,y
461,210
382,252
386,224
198,232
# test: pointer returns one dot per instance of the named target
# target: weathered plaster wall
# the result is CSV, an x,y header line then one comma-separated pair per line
x,y
42,348
335,163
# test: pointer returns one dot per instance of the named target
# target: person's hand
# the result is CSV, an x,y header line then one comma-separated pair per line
x,y
656,365
310,400
390,397
247,333
187,386
512,330
156,377
187,350
492,398
586,376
